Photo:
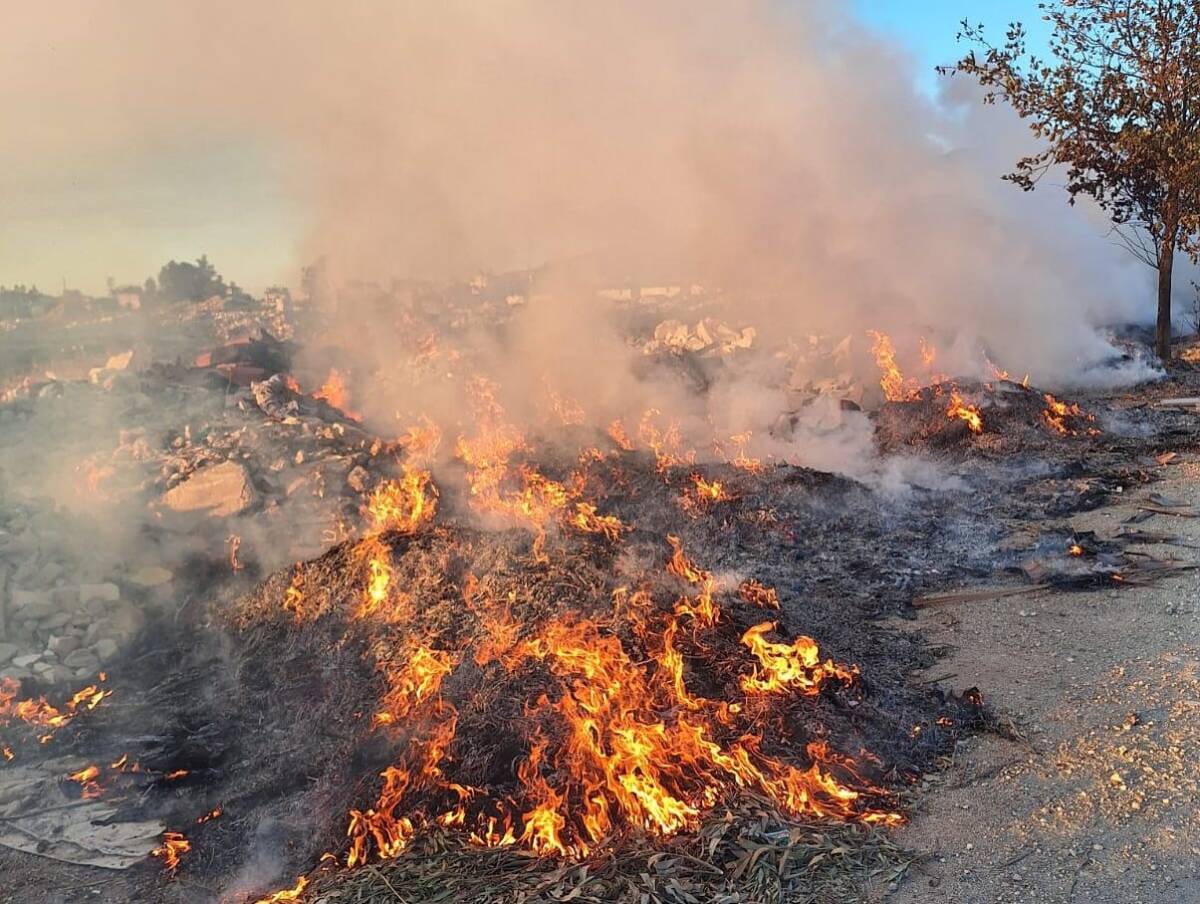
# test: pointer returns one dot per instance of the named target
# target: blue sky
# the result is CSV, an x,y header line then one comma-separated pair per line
x,y
928,27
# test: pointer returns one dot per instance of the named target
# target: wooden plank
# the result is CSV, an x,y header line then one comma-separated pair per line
x,y
930,600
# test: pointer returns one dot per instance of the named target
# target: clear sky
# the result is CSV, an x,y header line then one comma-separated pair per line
x,y
928,27
92,205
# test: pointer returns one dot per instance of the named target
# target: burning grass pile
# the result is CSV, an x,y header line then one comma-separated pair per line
x,y
991,418
586,692
545,668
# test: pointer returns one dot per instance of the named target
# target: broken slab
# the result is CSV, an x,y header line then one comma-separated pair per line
x,y
220,490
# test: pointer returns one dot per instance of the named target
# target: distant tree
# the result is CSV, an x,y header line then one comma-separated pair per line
x,y
1117,106
314,281
190,282
149,287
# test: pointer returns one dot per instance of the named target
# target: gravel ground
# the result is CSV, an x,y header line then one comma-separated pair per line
x,y
1096,797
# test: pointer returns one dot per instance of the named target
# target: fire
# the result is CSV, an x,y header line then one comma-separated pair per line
x,y
998,373
619,739
1075,550
616,432
568,411
41,715
287,894
665,442
740,458
335,392
756,594
421,441
378,558
209,816
1056,413
703,609
293,600
417,680
796,666
235,544
893,383
402,505
86,779
521,494
588,521
173,847
965,412
7,753
710,491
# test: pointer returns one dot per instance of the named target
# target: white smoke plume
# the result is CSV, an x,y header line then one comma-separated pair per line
x,y
778,150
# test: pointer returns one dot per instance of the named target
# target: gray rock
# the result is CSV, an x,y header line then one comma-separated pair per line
x,y
151,576
107,592
105,648
218,490
31,604
50,572
26,660
7,652
66,597
62,645
82,659
41,668
17,674
54,622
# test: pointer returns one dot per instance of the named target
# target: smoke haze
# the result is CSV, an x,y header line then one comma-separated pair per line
x,y
776,150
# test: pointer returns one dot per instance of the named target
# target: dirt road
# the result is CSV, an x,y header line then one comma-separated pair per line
x,y
1097,802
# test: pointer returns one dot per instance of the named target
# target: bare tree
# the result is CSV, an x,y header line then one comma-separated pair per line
x,y
1117,106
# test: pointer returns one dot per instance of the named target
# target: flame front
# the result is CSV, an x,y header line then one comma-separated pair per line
x,y
893,383
287,894
174,845
613,741
1056,415
335,392
40,714
965,412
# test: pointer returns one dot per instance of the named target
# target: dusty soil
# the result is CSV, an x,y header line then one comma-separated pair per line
x,y
1095,799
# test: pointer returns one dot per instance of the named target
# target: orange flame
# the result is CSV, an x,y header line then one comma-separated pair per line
x,y
618,742
616,432
173,847
403,505
42,715
86,778
235,544
893,383
1056,413
334,392
756,594
965,412
782,667
287,894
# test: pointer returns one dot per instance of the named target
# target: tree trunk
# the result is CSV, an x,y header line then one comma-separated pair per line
x,y
1162,334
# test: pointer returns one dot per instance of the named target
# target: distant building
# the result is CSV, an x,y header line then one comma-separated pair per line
x,y
128,298
659,292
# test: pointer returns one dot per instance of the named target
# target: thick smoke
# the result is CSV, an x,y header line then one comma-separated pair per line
x,y
776,150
